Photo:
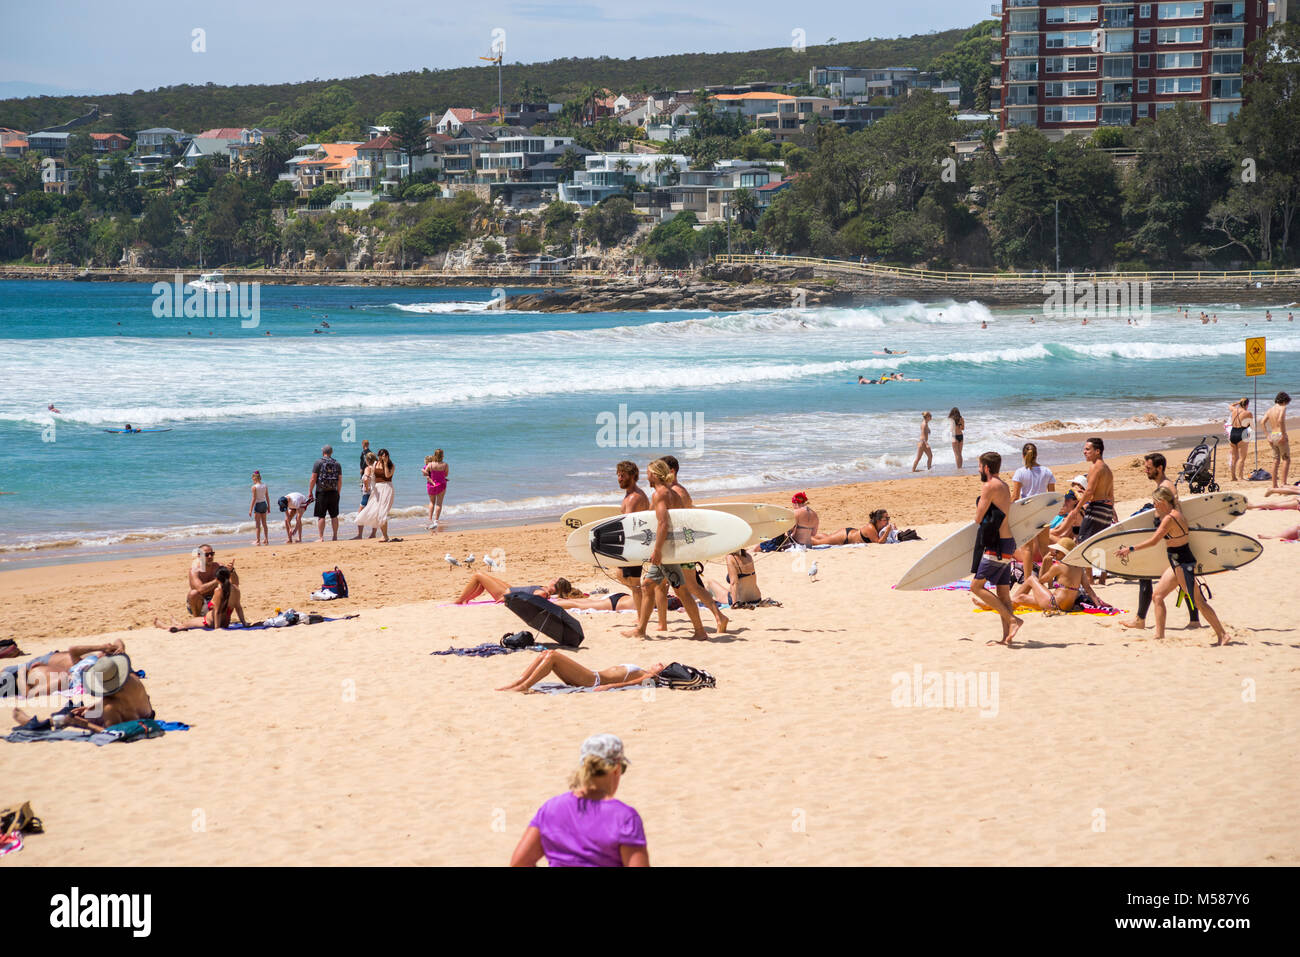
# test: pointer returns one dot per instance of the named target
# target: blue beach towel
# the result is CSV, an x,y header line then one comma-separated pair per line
x,y
488,649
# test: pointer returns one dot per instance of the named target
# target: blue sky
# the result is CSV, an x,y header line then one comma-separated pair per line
x,y
82,47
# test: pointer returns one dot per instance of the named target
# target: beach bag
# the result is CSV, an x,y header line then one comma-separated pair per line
x,y
9,648
520,639
335,582
682,677
908,535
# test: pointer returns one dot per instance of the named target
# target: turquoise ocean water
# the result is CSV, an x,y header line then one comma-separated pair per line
x,y
518,400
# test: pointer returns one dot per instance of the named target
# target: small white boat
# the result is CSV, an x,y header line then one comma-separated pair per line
x,y
210,282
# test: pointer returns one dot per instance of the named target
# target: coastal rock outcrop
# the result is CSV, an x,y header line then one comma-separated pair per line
x,y
632,295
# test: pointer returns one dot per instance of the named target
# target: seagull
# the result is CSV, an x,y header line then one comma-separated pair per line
x,y
469,562
812,571
490,562
449,560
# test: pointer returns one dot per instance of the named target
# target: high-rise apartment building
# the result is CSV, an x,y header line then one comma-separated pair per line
x,y
1066,66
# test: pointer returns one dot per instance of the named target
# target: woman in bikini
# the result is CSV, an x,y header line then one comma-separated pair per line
x,y
958,425
1172,533
923,446
480,582
741,585
1275,421
1241,420
572,673
436,473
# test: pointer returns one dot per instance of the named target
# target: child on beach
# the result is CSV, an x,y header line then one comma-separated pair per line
x,y
258,509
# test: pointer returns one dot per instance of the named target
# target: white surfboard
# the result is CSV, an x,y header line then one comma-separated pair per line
x,y
1212,510
1215,550
578,517
695,535
578,544
950,560
766,521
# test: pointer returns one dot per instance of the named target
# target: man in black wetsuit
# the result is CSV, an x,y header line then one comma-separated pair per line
x,y
996,547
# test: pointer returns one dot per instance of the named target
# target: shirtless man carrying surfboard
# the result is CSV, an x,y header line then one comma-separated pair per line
x,y
998,546
694,582
634,500
661,479
1097,503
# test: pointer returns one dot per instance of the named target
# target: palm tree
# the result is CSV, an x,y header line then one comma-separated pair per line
x,y
269,157
570,162
744,205
663,166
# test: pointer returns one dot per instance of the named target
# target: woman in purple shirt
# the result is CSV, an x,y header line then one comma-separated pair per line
x,y
585,826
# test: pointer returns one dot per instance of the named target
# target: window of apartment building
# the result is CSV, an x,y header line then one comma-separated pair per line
x,y
1116,116
1181,11
1054,89
1144,61
1023,23
1178,84
1161,107
1144,36
1178,61
1117,17
1222,112
1225,63
1226,89
1080,114
1022,118
1144,85
1118,41
1053,114
1081,88
1117,66
1071,14
1179,35
1021,95
1144,11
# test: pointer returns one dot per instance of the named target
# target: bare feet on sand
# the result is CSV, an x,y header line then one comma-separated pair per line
x,y
1136,623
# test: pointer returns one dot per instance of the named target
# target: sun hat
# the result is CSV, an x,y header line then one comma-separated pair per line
x,y
1080,480
107,676
1064,546
607,747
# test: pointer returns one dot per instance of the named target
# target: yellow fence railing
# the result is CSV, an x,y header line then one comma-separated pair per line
x,y
1267,276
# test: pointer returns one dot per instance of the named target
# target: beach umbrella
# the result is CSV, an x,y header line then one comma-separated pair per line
x,y
548,618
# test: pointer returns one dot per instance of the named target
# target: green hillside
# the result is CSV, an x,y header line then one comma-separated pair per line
x,y
194,108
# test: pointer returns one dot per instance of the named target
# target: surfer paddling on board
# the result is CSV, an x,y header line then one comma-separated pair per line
x,y
1173,532
1155,465
664,498
996,545
634,500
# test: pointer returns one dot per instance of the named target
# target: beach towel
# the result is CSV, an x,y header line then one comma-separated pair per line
x,y
309,620
1076,610
765,603
124,732
959,585
548,687
10,843
486,650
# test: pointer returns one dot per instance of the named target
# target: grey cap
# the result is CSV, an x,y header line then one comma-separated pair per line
x,y
607,747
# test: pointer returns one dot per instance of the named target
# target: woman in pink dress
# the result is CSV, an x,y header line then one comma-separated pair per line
x,y
436,473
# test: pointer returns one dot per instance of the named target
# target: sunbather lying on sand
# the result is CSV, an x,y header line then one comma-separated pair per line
x,y
121,696
480,582
52,671
572,673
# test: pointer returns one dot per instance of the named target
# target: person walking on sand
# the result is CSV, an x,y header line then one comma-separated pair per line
x,y
258,509
367,489
585,826
436,472
326,485
1096,506
634,500
923,447
1155,464
662,499
1274,425
375,514
1241,420
997,545
958,426
694,580
1173,532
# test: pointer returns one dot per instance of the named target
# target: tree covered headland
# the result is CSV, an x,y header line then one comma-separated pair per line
x,y
1173,192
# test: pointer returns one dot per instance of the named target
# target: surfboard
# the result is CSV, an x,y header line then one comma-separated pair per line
x,y
134,431
950,560
1216,550
695,535
1212,510
578,517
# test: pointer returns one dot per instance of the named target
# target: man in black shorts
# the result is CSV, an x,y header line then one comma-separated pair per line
x,y
326,482
996,546
634,500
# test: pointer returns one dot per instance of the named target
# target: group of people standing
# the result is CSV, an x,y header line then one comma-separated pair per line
x,y
1274,424
325,487
956,424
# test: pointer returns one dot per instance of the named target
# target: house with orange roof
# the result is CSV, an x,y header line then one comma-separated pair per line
x,y
12,142
109,142
318,164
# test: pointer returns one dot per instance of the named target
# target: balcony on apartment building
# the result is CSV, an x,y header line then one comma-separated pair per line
x,y
1228,39
1116,116
1113,19
1015,4
1022,46
1117,93
1228,13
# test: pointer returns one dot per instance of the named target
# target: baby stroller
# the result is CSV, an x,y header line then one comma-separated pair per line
x,y
1198,470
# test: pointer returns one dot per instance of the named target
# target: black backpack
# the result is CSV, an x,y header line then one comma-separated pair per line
x,y
682,677
330,476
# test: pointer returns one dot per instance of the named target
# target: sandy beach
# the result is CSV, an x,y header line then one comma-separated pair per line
x,y
348,743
